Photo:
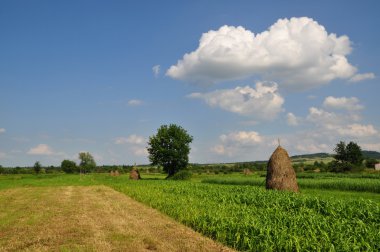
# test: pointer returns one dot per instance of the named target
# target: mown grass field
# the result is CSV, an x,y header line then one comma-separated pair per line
x,y
334,213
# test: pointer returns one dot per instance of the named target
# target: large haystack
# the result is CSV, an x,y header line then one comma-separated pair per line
x,y
134,174
280,173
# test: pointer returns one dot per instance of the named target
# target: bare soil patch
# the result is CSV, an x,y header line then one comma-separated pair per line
x,y
93,218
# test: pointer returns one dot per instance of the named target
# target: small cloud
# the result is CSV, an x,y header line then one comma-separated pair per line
x,y
361,77
2,130
140,151
292,120
135,102
263,102
132,139
342,103
357,130
156,70
218,149
41,149
120,140
135,139
3,155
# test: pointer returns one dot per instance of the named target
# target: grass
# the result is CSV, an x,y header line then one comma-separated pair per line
x,y
246,217
91,218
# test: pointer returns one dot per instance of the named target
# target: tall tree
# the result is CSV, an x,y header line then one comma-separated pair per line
x,y
347,157
170,148
87,162
354,153
37,167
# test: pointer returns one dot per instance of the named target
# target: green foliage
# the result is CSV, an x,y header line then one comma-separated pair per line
x,y
69,166
170,148
87,162
182,175
37,167
347,158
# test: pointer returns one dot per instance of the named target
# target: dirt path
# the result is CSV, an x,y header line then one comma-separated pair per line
x,y
94,218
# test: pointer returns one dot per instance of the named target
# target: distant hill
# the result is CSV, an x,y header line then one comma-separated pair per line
x,y
314,155
371,154
366,154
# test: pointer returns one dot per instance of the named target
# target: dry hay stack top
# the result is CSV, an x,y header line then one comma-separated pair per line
x,y
280,173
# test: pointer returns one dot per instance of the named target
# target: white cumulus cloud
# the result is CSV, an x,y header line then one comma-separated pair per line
x,y
262,102
361,77
41,149
297,52
2,130
342,103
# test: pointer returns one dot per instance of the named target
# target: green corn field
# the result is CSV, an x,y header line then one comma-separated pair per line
x,y
250,218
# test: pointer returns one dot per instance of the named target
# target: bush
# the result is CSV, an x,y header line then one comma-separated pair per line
x,y
182,175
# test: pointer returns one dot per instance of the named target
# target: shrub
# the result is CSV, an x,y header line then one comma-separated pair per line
x,y
182,175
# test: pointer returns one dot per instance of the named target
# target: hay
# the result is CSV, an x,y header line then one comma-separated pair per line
x,y
247,172
280,173
112,173
134,174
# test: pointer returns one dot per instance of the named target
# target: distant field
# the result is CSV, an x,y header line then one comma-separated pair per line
x,y
243,215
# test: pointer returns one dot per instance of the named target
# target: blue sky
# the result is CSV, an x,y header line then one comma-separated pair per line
x,y
102,76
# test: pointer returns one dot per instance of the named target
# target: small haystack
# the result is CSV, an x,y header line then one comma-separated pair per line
x,y
280,173
116,173
112,174
247,172
134,174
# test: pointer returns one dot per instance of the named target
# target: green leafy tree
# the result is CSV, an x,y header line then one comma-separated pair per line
x,y
37,167
69,166
354,154
170,148
87,162
347,157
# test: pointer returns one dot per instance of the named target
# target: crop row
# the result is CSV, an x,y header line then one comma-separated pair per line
x,y
252,219
342,184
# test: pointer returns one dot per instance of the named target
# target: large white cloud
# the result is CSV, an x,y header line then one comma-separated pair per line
x,y
262,102
342,103
299,53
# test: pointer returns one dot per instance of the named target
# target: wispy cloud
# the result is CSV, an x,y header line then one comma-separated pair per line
x,y
135,102
362,77
156,70
2,130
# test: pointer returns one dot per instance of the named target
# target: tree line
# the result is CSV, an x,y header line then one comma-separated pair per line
x,y
169,149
